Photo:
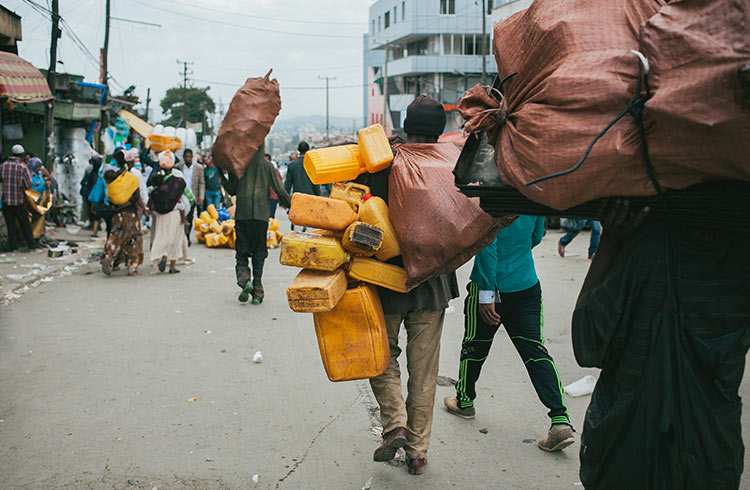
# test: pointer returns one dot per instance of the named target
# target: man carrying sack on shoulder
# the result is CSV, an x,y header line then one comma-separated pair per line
x,y
251,222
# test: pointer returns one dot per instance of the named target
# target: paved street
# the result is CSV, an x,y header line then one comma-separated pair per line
x,y
97,374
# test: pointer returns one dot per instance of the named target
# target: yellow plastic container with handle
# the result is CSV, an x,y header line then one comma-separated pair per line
x,y
320,212
374,212
334,164
362,239
312,251
352,337
316,291
227,227
215,227
375,148
273,224
212,211
212,240
206,218
379,273
197,224
350,192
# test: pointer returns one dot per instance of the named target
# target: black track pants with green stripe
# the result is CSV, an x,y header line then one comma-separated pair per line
x,y
522,317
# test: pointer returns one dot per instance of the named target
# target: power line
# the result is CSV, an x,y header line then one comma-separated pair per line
x,y
285,20
136,21
282,86
45,12
251,28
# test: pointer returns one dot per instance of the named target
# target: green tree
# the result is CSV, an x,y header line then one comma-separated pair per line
x,y
199,104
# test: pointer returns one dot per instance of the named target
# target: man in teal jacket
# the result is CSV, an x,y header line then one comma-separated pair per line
x,y
505,289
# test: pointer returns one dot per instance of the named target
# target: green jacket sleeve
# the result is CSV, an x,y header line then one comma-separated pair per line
x,y
485,267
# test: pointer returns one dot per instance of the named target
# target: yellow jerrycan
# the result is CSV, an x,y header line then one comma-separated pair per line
x,y
334,164
374,212
363,239
212,239
316,291
206,218
350,192
352,337
312,251
379,273
320,212
212,211
375,148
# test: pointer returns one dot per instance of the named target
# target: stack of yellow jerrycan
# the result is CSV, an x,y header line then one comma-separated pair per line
x,y
212,232
372,153
221,234
343,258
273,235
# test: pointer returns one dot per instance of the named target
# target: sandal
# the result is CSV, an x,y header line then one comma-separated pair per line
x,y
107,266
174,271
163,264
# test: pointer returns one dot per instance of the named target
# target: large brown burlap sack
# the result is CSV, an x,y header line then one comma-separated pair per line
x,y
248,121
438,228
576,73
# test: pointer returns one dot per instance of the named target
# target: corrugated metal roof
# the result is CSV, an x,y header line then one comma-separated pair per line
x,y
20,81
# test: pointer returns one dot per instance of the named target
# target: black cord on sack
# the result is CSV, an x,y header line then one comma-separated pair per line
x,y
635,108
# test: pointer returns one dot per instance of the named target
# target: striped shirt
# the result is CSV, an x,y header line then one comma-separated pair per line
x,y
16,178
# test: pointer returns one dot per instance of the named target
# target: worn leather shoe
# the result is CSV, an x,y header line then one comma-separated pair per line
x,y
559,437
451,404
416,465
392,441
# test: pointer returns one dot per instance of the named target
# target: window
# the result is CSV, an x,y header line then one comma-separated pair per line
x,y
379,23
373,26
447,7
387,20
395,15
470,45
403,10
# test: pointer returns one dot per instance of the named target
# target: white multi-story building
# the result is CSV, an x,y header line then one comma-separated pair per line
x,y
433,47
505,8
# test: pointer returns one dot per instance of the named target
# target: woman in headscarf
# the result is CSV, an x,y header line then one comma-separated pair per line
x,y
39,197
125,243
168,234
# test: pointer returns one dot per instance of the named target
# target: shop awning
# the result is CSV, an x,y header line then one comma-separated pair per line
x,y
139,125
20,81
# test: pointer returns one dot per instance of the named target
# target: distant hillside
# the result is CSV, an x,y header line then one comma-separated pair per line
x,y
291,124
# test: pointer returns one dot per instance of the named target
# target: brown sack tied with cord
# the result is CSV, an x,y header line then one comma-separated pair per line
x,y
576,74
438,228
248,121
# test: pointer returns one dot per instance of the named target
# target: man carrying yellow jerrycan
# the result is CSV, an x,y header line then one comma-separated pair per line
x,y
358,326
251,222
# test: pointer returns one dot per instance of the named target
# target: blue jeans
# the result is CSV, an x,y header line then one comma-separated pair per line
x,y
274,203
213,197
596,231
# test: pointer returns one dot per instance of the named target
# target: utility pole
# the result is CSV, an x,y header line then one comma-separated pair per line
x,y
327,78
104,120
385,91
484,47
49,120
148,101
105,52
184,90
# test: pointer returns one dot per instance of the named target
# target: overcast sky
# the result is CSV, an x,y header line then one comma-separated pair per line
x,y
227,40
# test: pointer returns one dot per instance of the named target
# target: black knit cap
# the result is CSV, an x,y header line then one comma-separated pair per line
x,y
425,117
